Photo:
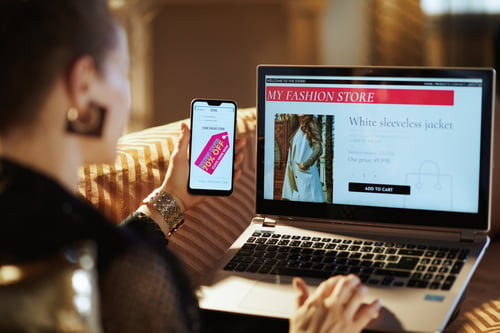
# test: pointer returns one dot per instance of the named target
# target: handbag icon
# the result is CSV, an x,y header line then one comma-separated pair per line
x,y
429,188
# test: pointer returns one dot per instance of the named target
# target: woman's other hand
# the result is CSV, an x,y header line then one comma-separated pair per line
x,y
301,166
176,178
335,306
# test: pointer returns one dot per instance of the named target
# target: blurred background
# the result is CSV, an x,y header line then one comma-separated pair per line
x,y
182,49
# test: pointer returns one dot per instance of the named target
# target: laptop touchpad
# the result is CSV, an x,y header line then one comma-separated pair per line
x,y
277,300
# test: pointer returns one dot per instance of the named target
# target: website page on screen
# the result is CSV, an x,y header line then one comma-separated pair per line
x,y
373,141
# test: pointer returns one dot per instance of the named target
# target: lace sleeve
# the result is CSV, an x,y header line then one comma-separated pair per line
x,y
143,224
140,293
315,154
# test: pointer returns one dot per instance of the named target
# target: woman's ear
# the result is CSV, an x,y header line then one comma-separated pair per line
x,y
80,77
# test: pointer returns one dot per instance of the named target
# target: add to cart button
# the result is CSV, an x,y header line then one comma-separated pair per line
x,y
379,188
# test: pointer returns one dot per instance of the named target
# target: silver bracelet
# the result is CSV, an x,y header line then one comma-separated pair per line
x,y
167,207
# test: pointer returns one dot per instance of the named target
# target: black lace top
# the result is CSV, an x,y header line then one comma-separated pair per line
x,y
143,287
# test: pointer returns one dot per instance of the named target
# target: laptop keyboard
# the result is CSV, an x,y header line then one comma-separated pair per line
x,y
376,263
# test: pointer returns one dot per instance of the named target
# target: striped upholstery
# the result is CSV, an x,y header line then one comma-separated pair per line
x,y
142,160
482,318
481,306
485,318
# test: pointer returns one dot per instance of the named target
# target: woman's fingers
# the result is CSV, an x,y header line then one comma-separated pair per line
x,y
302,292
346,301
343,291
183,141
176,177
240,143
239,156
336,306
367,313
354,303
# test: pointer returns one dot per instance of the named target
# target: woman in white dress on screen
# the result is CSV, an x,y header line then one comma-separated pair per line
x,y
302,180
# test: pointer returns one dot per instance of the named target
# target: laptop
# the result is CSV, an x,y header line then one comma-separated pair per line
x,y
384,172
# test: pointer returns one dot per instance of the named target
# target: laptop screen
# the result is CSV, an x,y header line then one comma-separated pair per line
x,y
386,145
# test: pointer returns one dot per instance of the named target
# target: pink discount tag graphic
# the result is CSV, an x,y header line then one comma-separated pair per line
x,y
214,151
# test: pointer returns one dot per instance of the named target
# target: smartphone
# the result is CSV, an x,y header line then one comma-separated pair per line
x,y
211,152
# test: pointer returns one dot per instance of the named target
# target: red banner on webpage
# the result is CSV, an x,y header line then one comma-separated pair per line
x,y
360,95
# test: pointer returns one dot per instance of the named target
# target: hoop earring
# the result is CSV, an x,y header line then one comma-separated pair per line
x,y
90,125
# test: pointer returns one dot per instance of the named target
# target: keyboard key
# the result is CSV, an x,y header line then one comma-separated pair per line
x,y
388,281
301,272
417,283
435,285
265,269
253,268
406,263
448,283
242,267
245,252
230,266
343,254
457,267
355,255
410,252
389,272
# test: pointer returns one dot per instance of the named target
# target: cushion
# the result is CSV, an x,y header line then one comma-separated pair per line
x,y
143,157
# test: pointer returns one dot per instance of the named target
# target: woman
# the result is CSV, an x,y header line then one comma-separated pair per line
x,y
65,98
302,181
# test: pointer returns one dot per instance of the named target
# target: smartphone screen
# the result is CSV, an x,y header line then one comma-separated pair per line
x,y
211,160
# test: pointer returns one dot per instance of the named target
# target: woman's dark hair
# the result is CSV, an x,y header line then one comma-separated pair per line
x,y
39,40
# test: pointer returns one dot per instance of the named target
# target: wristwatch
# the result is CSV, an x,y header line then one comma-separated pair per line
x,y
166,205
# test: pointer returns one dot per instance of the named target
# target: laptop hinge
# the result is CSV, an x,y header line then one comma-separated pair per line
x,y
467,236
269,222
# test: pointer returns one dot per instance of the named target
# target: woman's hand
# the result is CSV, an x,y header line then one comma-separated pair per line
x,y
335,306
176,178
301,166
